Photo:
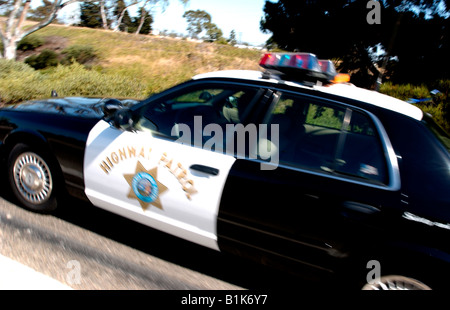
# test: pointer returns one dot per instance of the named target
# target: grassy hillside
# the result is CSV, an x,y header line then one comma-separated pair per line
x,y
134,66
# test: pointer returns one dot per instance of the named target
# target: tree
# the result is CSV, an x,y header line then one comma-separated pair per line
x,y
121,10
143,22
197,22
40,12
90,16
232,40
421,50
340,29
103,14
12,29
213,32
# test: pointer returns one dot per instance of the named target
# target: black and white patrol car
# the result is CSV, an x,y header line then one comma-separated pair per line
x,y
286,166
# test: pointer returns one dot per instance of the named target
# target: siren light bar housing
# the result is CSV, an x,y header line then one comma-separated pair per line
x,y
298,67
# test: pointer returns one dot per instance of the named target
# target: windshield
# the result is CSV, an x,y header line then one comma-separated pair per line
x,y
437,131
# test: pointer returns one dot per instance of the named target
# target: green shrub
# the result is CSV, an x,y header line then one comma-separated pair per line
x,y
10,68
23,83
47,58
438,115
439,108
82,54
30,42
76,80
405,91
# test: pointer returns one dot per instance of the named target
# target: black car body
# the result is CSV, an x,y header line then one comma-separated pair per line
x,y
359,186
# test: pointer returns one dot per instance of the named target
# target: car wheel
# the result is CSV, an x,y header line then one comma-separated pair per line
x,y
31,178
395,283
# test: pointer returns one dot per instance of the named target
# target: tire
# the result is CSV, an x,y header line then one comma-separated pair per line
x,y
32,178
395,283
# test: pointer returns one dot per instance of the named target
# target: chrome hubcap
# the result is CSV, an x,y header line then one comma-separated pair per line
x,y
32,178
397,283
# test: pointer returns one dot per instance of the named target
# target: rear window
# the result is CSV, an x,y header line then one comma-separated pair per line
x,y
438,132
327,137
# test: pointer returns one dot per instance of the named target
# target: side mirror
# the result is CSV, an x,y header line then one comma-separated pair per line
x,y
123,119
110,107
118,115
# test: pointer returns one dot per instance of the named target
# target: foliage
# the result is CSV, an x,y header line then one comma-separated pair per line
x,y
200,21
126,66
438,106
41,12
73,80
16,28
405,91
232,40
213,33
13,69
47,58
222,41
82,54
339,29
197,22
126,20
90,15
146,25
30,42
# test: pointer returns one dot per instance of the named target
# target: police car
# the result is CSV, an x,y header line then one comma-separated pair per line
x,y
291,166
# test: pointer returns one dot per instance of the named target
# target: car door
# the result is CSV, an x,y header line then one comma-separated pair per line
x,y
168,172
326,198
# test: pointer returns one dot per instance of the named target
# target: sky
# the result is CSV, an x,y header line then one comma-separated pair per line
x,y
242,16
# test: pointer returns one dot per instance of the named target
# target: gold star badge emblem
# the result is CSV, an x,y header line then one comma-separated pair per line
x,y
145,186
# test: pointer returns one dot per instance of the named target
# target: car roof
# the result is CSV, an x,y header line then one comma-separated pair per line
x,y
345,90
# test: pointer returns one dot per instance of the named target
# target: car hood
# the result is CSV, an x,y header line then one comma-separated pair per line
x,y
74,106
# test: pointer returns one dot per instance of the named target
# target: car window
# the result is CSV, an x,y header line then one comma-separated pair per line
x,y
437,131
195,108
329,138
361,153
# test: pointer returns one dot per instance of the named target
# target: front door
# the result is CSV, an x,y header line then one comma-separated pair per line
x,y
167,173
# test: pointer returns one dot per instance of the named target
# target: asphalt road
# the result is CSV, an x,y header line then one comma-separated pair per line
x,y
88,248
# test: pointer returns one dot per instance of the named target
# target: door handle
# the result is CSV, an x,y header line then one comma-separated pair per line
x,y
205,169
360,207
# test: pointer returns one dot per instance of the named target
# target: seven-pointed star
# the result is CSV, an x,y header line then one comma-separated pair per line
x,y
154,173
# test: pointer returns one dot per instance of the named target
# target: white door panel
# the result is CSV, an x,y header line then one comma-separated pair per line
x,y
149,180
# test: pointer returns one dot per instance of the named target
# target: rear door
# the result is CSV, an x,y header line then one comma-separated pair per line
x,y
169,172
336,175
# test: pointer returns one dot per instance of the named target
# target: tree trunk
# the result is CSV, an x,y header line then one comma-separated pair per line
x,y
103,14
119,21
141,23
9,49
14,29
122,14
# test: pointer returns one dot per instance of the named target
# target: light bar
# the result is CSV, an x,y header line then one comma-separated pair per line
x,y
299,66
327,66
304,61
